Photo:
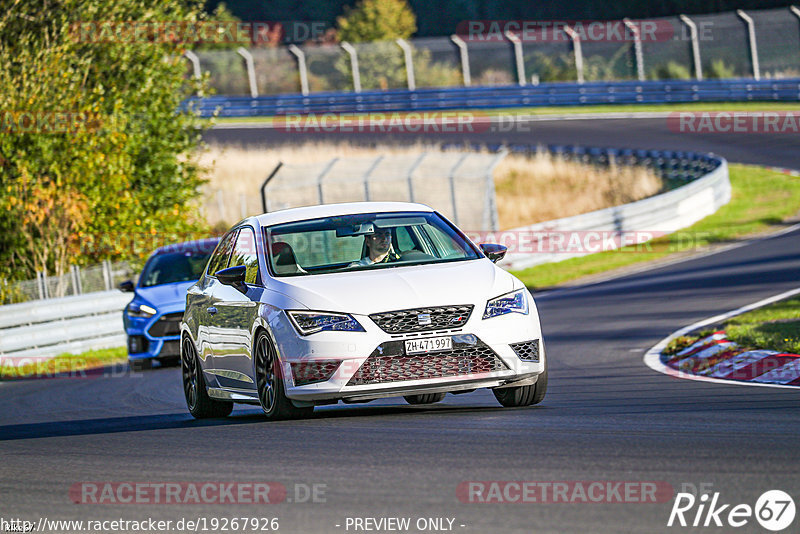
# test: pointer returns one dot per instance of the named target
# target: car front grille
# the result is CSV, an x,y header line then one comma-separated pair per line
x,y
170,348
168,324
527,350
423,319
389,363
312,372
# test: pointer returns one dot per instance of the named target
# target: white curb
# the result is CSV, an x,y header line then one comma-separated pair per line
x,y
652,358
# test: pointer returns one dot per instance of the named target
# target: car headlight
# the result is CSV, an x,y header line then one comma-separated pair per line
x,y
311,322
514,302
141,310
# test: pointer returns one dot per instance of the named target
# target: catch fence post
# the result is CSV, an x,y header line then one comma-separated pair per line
x,y
698,66
351,50
251,70
577,50
464,53
452,179
751,37
301,67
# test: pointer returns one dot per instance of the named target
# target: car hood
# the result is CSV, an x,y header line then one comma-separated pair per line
x,y
366,292
165,294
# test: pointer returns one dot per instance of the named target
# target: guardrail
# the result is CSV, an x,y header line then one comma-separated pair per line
x,y
45,328
545,94
701,185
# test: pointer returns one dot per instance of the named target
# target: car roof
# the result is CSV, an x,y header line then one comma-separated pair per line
x,y
206,245
333,210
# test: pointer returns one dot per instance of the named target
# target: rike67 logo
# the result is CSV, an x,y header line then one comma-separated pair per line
x,y
774,510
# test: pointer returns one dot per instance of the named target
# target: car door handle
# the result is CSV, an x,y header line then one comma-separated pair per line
x,y
212,310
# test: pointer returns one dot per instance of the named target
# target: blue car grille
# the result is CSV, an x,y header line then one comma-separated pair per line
x,y
168,324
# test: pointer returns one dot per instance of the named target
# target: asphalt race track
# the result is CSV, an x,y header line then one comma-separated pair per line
x,y
607,417
653,132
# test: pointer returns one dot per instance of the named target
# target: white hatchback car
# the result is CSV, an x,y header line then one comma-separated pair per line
x,y
355,302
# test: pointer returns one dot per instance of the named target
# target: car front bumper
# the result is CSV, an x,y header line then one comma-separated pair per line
x,y
153,337
360,366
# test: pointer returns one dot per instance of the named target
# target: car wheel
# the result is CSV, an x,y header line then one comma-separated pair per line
x,y
269,381
427,398
523,395
140,364
200,405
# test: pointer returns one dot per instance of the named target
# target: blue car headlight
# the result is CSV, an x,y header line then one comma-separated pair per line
x,y
140,310
306,322
514,302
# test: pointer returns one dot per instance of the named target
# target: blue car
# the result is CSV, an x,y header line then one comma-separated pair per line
x,y
152,319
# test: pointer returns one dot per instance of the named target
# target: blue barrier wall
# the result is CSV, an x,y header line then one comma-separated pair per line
x,y
546,94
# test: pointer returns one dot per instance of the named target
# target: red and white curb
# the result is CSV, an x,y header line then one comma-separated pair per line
x,y
716,359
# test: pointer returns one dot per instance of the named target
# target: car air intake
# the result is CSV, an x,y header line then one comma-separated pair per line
x,y
423,319
528,351
312,372
388,363
168,324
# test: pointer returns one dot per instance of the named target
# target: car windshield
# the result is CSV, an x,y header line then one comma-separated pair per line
x,y
364,241
173,267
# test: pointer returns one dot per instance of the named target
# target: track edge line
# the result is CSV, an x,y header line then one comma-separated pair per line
x,y
652,357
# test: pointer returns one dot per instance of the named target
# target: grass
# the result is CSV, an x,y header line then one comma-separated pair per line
x,y
596,108
774,327
761,199
72,365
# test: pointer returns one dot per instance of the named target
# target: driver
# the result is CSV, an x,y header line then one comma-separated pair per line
x,y
379,248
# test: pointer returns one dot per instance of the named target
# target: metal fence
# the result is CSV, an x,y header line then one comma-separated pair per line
x,y
750,44
459,184
77,281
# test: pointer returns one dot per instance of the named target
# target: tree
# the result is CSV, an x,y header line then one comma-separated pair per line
x,y
377,20
96,158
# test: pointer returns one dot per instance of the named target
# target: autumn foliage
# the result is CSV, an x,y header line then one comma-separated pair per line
x,y
75,194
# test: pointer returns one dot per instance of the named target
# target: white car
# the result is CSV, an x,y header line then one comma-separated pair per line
x,y
355,302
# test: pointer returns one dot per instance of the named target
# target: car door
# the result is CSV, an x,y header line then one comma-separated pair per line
x,y
208,331
236,313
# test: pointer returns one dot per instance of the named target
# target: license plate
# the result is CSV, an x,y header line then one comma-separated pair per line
x,y
430,344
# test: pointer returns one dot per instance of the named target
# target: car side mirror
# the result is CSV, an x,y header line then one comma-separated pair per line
x,y
494,252
233,276
126,286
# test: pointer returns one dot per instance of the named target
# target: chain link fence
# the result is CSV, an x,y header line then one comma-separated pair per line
x,y
667,48
456,183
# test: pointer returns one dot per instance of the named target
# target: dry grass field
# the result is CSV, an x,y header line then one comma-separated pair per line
x,y
528,190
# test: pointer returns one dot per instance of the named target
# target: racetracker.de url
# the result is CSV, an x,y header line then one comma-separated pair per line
x,y
190,524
